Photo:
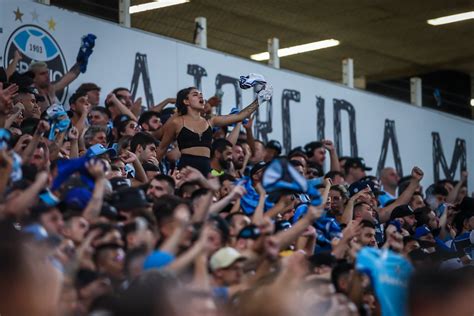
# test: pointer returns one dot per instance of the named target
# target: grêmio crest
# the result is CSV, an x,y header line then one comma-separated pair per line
x,y
36,44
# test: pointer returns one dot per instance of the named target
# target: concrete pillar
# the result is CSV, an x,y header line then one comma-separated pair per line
x,y
348,72
200,35
124,13
415,91
273,47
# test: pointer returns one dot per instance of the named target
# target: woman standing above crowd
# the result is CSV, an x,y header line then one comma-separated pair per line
x,y
194,133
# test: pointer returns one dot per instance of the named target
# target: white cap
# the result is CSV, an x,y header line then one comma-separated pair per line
x,y
224,258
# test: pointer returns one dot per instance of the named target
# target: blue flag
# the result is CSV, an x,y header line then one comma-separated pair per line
x,y
68,167
389,273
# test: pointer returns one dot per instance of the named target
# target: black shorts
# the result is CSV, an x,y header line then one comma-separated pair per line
x,y
201,163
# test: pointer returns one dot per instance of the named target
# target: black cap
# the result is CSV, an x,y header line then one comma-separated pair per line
x,y
119,183
110,212
257,167
129,198
361,185
401,211
274,144
311,146
356,162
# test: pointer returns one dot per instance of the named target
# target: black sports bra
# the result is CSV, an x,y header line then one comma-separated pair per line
x,y
187,138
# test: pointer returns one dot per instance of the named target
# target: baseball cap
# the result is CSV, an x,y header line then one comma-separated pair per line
x,y
99,149
250,232
282,225
257,167
78,197
361,185
129,198
224,258
422,231
401,211
32,90
158,259
274,144
110,212
309,147
356,162
119,182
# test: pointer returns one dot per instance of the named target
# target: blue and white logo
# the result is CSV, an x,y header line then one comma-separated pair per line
x,y
36,44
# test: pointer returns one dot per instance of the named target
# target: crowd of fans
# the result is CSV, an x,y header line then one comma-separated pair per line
x,y
115,209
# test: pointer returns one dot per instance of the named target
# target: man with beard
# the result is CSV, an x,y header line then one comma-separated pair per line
x,y
238,158
221,157
150,121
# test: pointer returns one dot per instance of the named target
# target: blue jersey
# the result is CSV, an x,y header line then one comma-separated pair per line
x,y
249,201
327,228
389,273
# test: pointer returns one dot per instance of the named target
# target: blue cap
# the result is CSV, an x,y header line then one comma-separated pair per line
x,y
78,197
158,259
422,231
99,149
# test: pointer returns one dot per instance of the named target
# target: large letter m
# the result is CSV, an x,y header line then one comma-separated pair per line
x,y
459,157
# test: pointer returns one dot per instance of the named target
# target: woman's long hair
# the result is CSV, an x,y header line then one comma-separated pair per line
x,y
180,97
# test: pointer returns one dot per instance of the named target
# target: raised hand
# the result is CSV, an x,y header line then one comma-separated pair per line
x,y
128,157
7,95
43,127
248,125
271,248
237,192
417,174
328,144
137,105
214,101
95,169
190,174
182,215
73,134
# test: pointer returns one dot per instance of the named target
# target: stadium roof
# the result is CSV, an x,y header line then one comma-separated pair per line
x,y
387,39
